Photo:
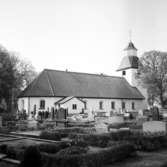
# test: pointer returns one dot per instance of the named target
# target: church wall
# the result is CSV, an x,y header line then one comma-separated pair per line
x,y
30,102
92,104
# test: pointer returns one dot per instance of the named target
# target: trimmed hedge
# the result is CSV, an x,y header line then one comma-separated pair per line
x,y
17,152
73,150
52,148
99,140
50,135
65,132
142,141
91,159
12,152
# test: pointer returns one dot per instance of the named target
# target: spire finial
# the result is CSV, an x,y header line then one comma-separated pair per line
x,y
130,35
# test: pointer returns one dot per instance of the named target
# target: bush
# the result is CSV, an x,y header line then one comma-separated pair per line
x,y
32,157
142,141
50,135
120,135
99,140
74,158
52,148
164,164
3,148
148,143
15,153
73,150
66,131
8,117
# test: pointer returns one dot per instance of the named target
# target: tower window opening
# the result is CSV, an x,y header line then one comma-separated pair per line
x,y
123,72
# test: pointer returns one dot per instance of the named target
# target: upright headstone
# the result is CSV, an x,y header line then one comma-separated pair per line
x,y
32,124
101,127
0,121
155,113
116,119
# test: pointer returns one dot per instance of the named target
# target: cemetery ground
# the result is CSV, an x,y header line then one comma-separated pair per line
x,y
143,159
118,143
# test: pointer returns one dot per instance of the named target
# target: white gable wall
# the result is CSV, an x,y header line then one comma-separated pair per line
x,y
68,105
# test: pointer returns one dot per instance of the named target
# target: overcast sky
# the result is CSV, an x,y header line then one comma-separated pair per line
x,y
81,35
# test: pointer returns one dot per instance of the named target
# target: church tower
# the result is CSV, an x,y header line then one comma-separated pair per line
x,y
129,64
129,67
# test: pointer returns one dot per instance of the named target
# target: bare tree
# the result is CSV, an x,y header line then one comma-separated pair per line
x,y
152,74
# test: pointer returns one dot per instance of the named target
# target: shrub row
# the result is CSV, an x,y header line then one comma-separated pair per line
x,y
57,134
17,152
70,130
52,148
99,140
142,141
90,159
12,152
46,134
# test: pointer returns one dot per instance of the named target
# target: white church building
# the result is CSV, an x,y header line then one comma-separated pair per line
x,y
84,92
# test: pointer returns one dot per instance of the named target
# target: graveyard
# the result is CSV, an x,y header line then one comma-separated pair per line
x,y
135,140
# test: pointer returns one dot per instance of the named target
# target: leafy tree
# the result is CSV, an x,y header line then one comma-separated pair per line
x,y
152,74
15,74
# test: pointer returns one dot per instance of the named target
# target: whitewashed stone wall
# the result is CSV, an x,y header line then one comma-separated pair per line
x,y
92,104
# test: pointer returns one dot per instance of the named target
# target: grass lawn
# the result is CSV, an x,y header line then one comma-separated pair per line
x,y
149,159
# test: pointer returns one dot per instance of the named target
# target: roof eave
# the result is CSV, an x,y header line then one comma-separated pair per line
x,y
125,68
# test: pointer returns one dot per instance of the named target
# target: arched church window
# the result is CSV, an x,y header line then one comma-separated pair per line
x,y
123,105
100,105
42,104
133,106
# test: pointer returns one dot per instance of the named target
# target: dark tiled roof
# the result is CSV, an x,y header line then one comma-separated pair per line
x,y
129,62
53,83
65,99
130,46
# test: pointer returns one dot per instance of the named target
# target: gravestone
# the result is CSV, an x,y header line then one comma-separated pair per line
x,y
155,113
32,124
154,126
101,127
141,119
0,121
116,119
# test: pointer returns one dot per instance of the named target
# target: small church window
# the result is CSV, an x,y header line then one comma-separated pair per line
x,y
123,105
42,104
112,105
133,106
35,107
123,72
100,105
85,105
74,106
22,104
